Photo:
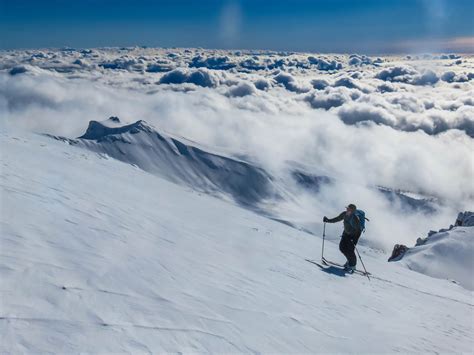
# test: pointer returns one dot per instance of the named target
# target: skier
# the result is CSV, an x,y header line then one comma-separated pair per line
x,y
350,236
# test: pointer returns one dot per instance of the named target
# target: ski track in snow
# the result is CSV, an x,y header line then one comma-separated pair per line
x,y
97,256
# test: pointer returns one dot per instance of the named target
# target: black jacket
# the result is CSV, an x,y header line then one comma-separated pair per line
x,y
351,223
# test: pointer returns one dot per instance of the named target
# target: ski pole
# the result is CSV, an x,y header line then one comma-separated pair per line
x,y
324,235
366,273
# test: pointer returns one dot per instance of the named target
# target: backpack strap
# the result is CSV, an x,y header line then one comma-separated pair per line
x,y
351,221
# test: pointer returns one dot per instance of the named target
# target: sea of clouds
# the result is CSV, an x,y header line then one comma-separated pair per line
x,y
406,123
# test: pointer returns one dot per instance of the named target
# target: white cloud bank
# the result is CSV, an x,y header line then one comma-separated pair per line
x,y
353,124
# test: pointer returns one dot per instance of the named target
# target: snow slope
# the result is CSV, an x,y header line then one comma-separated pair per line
x,y
99,256
446,254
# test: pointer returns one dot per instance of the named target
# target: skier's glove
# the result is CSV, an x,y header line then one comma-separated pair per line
x,y
325,219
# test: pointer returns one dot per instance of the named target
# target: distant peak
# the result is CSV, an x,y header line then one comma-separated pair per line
x,y
113,125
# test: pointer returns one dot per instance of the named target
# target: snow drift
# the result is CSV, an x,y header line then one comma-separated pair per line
x,y
446,254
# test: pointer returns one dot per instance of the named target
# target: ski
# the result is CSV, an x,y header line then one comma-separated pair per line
x,y
321,265
325,266
325,262
328,262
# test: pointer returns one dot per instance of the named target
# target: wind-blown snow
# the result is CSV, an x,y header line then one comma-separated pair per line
x,y
99,256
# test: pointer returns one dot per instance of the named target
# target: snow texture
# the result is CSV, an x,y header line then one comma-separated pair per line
x,y
447,254
99,256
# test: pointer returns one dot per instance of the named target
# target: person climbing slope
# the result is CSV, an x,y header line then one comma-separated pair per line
x,y
350,235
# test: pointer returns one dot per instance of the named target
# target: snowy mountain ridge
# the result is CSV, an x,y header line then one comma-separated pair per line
x,y
142,145
226,176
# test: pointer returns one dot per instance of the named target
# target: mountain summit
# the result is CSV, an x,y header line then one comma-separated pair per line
x,y
141,145
112,126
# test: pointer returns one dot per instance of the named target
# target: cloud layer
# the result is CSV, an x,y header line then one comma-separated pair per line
x,y
403,123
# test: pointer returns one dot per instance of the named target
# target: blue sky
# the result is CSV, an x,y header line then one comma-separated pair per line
x,y
369,26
